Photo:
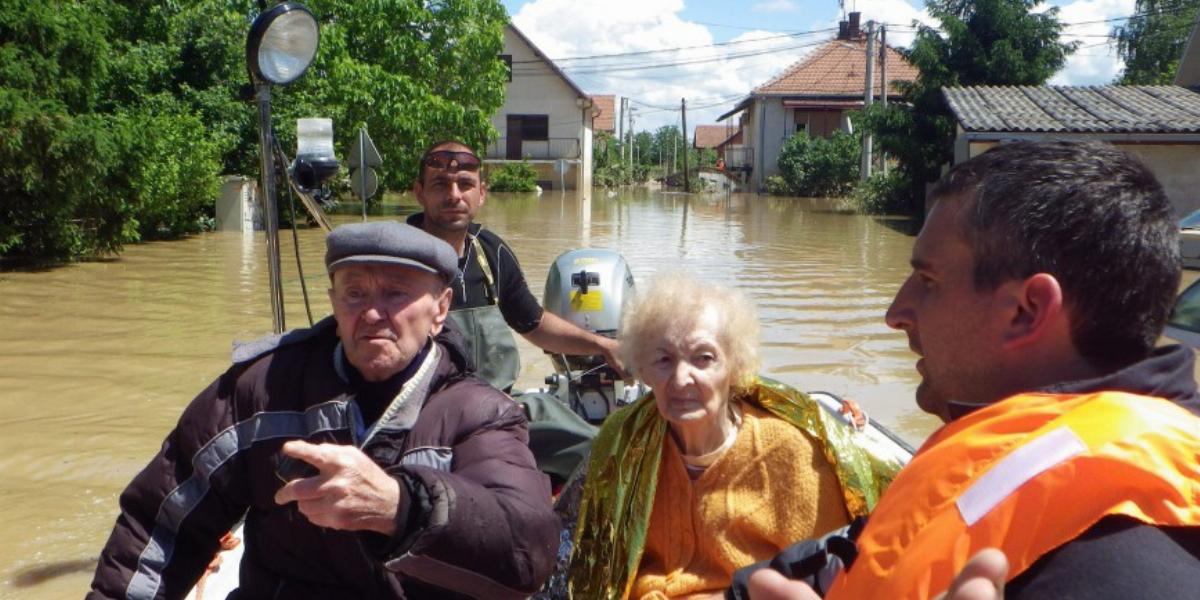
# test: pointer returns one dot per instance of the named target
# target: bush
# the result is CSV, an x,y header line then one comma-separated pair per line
x,y
820,166
778,186
883,193
613,175
513,177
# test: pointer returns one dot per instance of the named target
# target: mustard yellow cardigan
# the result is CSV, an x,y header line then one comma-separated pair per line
x,y
770,489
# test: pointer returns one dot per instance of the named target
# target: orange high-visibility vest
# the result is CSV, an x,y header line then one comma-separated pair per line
x,y
1027,475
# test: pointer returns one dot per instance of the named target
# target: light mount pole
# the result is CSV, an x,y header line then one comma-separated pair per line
x,y
280,47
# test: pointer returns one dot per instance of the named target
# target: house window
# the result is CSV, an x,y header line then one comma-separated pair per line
x,y
507,59
535,127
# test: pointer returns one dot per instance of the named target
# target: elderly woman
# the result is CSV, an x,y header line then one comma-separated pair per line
x,y
716,468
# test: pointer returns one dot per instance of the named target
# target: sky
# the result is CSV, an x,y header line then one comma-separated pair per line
x,y
757,39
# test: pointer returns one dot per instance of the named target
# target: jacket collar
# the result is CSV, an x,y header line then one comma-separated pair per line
x,y
1167,373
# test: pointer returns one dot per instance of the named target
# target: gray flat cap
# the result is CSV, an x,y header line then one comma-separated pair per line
x,y
392,243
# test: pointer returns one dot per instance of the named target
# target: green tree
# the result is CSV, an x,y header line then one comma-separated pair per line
x,y
120,115
813,166
643,148
1152,42
978,42
413,73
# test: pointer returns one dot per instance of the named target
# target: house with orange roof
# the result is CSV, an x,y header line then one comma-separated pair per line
x,y
546,117
815,95
607,111
712,136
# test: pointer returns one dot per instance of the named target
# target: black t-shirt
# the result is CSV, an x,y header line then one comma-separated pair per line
x,y
520,308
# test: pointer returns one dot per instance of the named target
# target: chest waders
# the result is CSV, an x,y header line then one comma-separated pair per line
x,y
493,348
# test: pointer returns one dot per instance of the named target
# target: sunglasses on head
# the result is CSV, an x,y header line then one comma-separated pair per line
x,y
451,160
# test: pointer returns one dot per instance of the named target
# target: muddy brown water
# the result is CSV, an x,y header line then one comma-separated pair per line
x,y
98,359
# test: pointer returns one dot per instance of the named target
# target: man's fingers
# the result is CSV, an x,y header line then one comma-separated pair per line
x,y
976,589
300,490
321,456
982,578
989,564
769,584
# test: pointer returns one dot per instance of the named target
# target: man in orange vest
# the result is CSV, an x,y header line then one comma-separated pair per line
x,y
1041,282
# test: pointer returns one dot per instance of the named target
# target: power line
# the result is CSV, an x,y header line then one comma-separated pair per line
x,y
606,69
676,49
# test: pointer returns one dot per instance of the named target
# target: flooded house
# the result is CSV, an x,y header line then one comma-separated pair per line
x,y
815,95
546,118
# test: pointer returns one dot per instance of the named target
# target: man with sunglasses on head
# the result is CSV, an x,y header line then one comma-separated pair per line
x,y
492,295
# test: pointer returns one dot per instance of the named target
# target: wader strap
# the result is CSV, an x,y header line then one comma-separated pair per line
x,y
489,282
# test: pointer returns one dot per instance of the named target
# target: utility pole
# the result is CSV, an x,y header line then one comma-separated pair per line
x,y
632,141
868,99
687,182
629,132
883,80
674,151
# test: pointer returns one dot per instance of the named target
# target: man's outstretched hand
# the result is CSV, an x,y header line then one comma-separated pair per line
x,y
350,492
982,578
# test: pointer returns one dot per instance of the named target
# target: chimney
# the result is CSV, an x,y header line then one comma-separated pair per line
x,y
854,31
843,30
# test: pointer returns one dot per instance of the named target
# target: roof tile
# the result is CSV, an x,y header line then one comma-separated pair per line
x,y
837,69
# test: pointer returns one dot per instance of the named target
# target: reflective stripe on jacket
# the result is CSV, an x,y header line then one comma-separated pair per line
x,y
1027,475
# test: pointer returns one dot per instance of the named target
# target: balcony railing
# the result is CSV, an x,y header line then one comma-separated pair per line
x,y
739,158
551,149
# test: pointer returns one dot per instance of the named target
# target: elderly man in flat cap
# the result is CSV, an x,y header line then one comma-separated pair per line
x,y
366,462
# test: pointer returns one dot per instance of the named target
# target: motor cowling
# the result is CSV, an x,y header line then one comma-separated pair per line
x,y
589,288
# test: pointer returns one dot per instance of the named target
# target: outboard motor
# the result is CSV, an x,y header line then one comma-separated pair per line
x,y
589,287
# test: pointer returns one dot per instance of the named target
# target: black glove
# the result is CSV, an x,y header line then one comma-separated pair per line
x,y
815,562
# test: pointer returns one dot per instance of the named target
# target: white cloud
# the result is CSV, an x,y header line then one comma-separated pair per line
x,y
899,17
774,6
712,78
1096,61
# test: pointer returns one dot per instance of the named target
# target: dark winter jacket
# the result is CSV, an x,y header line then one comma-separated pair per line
x,y
474,515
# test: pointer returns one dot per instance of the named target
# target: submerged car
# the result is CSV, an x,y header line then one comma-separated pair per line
x,y
1189,240
1184,324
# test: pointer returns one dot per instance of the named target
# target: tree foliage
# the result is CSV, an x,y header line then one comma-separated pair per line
x,y
1152,43
978,42
513,177
119,116
820,167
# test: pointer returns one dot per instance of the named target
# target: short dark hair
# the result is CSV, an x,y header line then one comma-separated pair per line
x,y
1087,213
429,148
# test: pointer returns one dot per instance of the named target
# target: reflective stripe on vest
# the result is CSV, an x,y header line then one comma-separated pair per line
x,y
1027,474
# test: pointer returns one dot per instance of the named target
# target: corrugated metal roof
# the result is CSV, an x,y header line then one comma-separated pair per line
x,y
1070,109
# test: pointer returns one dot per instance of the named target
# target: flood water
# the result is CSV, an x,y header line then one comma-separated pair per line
x,y
98,359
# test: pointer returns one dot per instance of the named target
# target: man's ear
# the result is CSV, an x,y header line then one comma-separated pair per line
x,y
1038,310
443,309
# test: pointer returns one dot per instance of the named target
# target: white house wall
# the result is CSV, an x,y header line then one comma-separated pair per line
x,y
773,122
1175,167
536,89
